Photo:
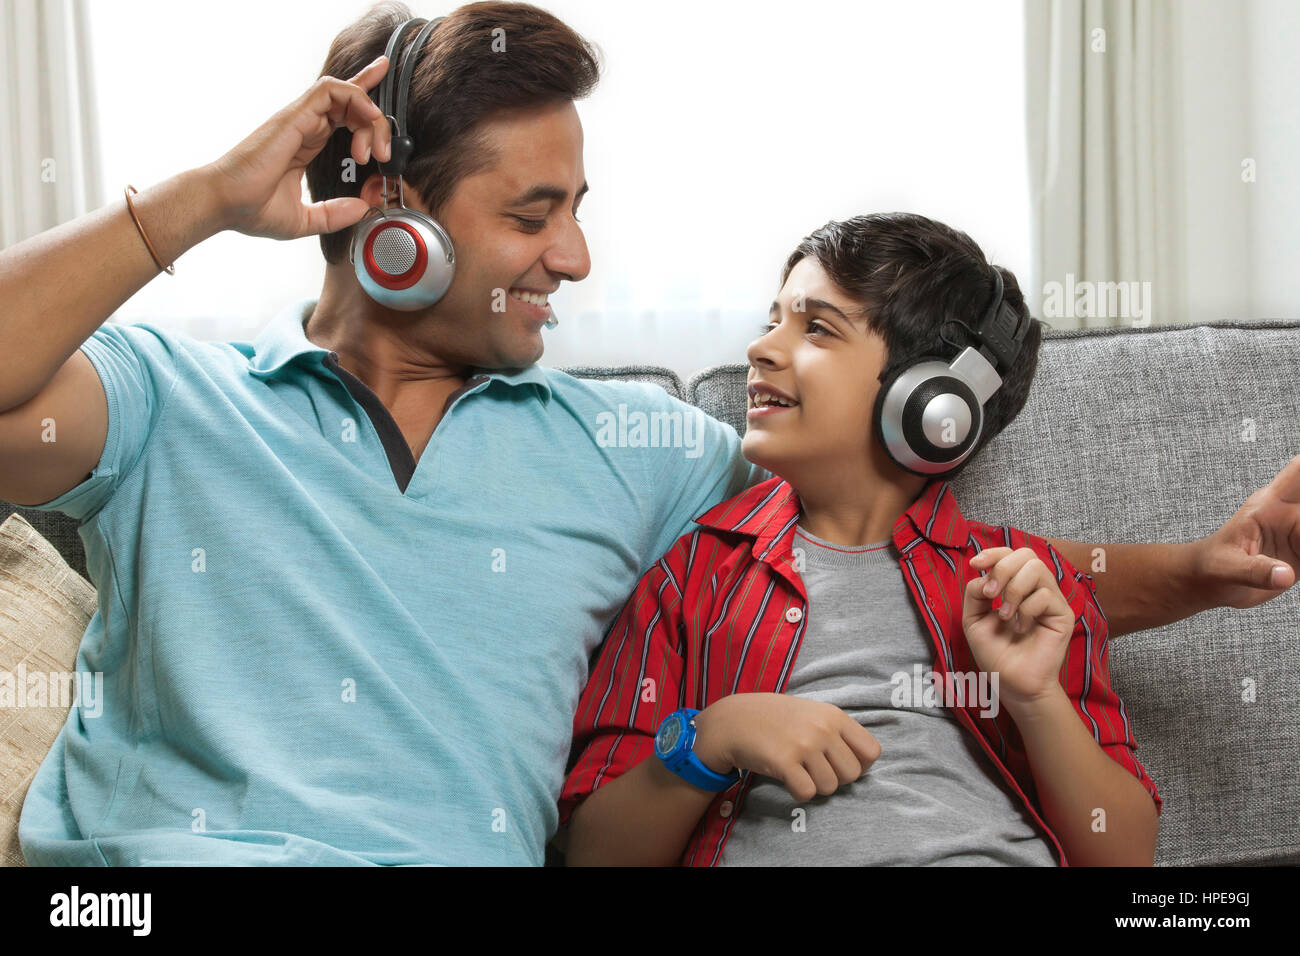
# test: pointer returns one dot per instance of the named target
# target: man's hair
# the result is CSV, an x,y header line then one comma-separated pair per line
x,y
912,275
459,82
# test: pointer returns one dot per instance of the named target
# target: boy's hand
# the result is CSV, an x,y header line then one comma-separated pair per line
x,y
809,745
1025,640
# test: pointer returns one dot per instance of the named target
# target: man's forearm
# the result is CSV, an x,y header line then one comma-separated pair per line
x,y
1075,779
58,287
1142,585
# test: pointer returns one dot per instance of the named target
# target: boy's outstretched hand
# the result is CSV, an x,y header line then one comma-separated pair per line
x,y
1023,641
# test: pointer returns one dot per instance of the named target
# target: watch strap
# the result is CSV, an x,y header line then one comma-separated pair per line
x,y
684,762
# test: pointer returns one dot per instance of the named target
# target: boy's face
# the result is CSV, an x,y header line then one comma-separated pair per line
x,y
827,362
514,229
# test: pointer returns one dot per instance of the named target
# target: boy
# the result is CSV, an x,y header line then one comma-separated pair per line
x,y
767,671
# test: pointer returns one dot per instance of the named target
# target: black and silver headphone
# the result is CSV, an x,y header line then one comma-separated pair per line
x,y
929,413
403,258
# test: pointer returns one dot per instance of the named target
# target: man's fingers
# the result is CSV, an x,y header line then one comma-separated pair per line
x,y
349,105
377,138
1286,483
361,144
344,103
331,215
1258,571
367,80
371,73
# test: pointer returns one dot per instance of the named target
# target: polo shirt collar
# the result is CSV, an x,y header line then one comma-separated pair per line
x,y
283,341
769,511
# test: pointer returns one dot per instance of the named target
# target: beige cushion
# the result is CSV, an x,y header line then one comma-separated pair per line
x,y
44,609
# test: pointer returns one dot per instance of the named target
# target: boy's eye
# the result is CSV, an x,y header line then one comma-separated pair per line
x,y
813,326
530,225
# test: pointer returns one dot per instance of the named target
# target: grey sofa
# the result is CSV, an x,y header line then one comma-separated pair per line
x,y
1135,435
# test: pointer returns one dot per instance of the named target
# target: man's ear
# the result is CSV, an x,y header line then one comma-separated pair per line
x,y
372,191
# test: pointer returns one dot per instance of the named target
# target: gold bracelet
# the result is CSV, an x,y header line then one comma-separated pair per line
x,y
171,269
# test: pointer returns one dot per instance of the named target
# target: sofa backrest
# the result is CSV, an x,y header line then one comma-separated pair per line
x,y
1134,435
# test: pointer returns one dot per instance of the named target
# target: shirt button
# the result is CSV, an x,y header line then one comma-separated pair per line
x,y
794,615
724,808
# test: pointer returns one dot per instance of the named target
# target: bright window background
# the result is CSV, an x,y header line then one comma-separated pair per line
x,y
721,133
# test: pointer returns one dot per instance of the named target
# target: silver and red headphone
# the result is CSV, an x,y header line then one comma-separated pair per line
x,y
929,413
403,258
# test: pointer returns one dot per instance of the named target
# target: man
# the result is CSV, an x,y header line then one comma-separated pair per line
x,y
350,574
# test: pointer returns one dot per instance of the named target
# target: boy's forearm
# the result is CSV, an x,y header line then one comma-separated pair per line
x,y
1142,585
643,818
1075,779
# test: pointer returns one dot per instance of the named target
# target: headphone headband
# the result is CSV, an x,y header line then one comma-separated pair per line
x,y
929,412
403,258
398,80
999,333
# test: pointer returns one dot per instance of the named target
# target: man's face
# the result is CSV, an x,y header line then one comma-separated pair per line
x,y
514,230
827,361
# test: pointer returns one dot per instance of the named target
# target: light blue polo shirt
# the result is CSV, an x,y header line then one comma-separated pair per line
x,y
304,663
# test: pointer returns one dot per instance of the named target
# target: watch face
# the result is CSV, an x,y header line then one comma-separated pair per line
x,y
668,735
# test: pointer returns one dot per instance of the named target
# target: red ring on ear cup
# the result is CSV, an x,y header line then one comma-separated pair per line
x,y
411,275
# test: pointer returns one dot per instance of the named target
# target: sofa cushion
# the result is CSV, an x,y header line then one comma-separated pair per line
x,y
56,528
44,609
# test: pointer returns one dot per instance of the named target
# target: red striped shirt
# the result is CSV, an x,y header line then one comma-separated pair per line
x,y
724,611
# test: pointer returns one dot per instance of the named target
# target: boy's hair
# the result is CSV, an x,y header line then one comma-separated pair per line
x,y
459,81
912,274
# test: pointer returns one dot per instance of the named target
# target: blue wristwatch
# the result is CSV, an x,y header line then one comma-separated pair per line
x,y
674,745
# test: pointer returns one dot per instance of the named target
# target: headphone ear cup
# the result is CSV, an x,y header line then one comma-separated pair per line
x,y
877,419
403,259
898,416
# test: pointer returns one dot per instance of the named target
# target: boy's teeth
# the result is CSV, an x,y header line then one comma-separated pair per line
x,y
762,398
532,298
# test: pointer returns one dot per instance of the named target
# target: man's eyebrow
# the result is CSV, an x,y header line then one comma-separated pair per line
x,y
546,192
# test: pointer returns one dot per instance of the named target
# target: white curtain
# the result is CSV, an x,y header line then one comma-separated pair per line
x,y
1104,96
48,135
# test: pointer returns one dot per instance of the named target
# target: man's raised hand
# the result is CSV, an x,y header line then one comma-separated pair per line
x,y
260,179
1255,556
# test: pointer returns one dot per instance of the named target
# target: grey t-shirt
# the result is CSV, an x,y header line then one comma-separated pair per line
x,y
933,797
